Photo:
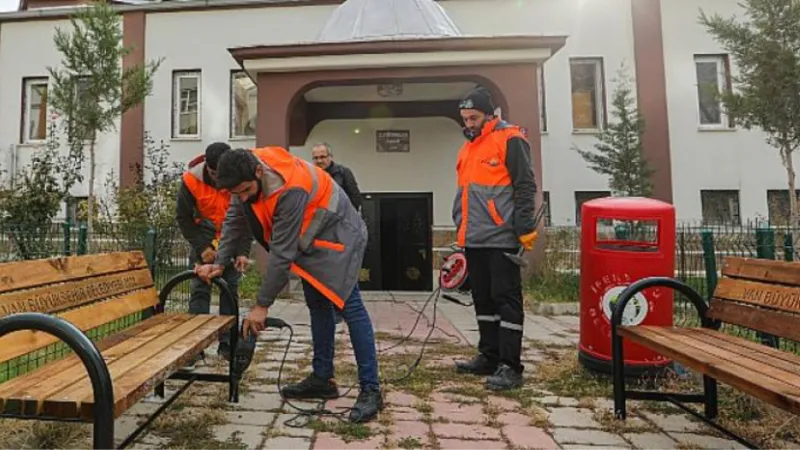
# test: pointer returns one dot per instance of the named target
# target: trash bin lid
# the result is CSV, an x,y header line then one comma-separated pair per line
x,y
627,207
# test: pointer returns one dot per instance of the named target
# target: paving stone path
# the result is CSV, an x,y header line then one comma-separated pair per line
x,y
451,414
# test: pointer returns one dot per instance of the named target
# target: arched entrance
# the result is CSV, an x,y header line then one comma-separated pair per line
x,y
408,54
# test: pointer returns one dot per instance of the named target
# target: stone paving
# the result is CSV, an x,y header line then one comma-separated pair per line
x,y
454,415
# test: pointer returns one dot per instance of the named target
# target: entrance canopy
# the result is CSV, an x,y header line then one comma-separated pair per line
x,y
385,43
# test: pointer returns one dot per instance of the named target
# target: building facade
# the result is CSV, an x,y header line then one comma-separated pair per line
x,y
711,170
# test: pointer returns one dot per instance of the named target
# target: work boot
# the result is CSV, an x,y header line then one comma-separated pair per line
x,y
312,387
505,378
367,406
480,365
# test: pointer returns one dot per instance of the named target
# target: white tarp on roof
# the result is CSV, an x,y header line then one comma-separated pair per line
x,y
367,20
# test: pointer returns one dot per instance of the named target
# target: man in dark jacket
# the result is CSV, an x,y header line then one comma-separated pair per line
x,y
323,157
201,209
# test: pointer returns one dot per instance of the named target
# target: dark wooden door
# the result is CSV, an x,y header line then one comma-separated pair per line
x,y
370,278
413,231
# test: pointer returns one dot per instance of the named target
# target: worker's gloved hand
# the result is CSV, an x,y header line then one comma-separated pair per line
x,y
528,240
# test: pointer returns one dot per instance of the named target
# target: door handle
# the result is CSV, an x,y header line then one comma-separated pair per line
x,y
424,253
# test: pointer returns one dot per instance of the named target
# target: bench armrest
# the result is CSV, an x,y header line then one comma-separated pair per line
x,y
85,349
651,282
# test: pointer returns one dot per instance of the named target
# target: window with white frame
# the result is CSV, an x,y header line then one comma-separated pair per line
x,y
720,207
588,93
713,77
244,102
34,107
542,100
186,104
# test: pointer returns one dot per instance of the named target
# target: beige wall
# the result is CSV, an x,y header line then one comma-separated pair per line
x,y
428,167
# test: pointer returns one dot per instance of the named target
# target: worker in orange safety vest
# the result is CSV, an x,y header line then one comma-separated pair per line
x,y
306,222
494,214
201,208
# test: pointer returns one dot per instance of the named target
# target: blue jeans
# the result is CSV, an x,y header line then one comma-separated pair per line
x,y
323,333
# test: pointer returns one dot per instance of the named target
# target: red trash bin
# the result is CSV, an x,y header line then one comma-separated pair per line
x,y
624,239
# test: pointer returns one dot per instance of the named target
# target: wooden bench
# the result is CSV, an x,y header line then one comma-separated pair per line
x,y
757,294
43,302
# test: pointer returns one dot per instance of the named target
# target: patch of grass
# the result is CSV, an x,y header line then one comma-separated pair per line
x,y
467,390
46,435
767,426
423,407
539,417
409,443
346,430
561,374
249,284
610,423
426,377
552,288
194,429
526,396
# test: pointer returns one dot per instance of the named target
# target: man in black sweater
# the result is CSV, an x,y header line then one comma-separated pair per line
x,y
323,157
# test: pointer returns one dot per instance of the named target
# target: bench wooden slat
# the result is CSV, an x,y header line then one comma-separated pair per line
x,y
28,274
23,342
664,341
764,366
55,298
23,381
763,270
782,361
764,295
176,343
135,384
754,347
29,399
777,323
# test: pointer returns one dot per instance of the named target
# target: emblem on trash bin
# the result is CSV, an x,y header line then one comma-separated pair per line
x,y
634,313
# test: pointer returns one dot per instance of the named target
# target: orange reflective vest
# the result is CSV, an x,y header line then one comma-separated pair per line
x,y
210,203
332,236
483,210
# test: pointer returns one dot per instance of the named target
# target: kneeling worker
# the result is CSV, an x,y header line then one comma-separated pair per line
x,y
201,209
309,227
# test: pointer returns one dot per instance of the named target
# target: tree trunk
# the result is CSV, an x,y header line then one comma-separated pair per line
x,y
90,210
794,217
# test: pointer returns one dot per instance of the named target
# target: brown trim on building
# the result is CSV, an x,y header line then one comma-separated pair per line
x,y
651,89
280,93
131,136
485,43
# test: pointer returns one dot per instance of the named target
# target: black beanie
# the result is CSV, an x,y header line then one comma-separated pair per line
x,y
213,153
480,99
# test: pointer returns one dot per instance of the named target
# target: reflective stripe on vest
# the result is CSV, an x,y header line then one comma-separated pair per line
x,y
323,200
210,203
483,209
